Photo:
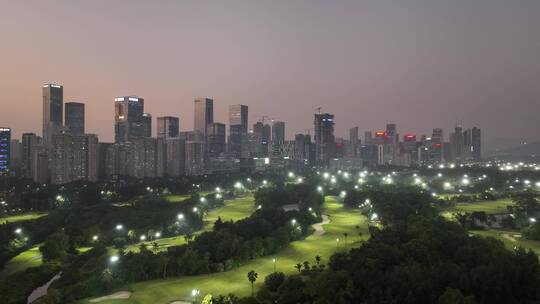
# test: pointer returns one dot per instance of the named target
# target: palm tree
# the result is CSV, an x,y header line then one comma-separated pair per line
x,y
155,246
345,235
298,267
252,277
306,265
188,237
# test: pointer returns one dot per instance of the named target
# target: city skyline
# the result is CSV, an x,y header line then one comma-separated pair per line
x,y
414,82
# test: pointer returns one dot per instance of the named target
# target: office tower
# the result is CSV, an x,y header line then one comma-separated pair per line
x,y
29,142
354,142
216,139
128,118
74,118
168,127
204,115
40,164
391,133
175,157
278,132
15,157
436,148
262,134
5,140
53,106
147,125
238,128
456,141
102,160
368,138
476,143
324,138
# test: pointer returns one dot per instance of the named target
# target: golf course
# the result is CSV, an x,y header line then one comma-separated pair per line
x,y
341,221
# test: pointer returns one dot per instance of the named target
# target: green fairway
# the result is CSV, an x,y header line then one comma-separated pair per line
x,y
490,207
173,198
510,239
26,259
235,209
341,221
22,217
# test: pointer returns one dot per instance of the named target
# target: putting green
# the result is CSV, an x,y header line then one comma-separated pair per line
x,y
25,259
177,198
341,221
22,217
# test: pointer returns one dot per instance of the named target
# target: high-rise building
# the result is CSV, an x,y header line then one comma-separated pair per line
x,y
368,137
29,142
168,127
391,133
216,139
129,122
324,138
40,164
147,125
456,142
354,141
436,148
262,133
5,140
73,157
175,157
476,143
53,106
15,157
61,158
74,118
204,115
278,132
238,129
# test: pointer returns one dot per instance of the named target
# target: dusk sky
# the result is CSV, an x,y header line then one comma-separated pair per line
x,y
419,64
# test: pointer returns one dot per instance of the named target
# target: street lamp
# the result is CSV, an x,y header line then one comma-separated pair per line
x,y
293,221
95,238
18,231
114,259
274,261
158,234
180,216
143,238
119,227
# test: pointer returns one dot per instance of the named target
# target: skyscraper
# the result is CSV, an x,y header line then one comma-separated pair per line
x,y
168,127
278,132
324,138
476,143
262,133
147,125
74,118
216,139
53,106
5,139
456,142
354,142
238,124
29,143
128,118
204,115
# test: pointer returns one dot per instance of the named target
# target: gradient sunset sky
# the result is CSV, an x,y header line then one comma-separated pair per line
x,y
420,64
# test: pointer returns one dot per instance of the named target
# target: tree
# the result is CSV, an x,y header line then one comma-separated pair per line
x,y
298,267
345,235
55,246
252,277
318,260
274,280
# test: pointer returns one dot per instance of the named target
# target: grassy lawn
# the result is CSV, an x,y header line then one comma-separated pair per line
x,y
177,198
490,207
26,259
341,220
510,239
22,217
236,209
